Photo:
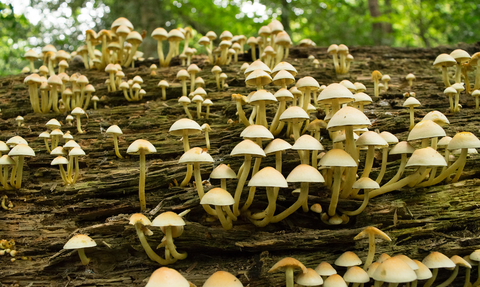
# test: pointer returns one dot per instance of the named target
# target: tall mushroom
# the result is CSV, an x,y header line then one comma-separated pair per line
x,y
115,131
20,151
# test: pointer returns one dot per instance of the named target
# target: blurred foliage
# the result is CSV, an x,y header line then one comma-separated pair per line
x,y
419,23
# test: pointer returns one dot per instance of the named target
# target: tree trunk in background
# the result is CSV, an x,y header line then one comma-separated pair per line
x,y
377,30
285,17
422,26
387,26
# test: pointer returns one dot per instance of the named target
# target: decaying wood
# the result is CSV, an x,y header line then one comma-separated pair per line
x,y
46,213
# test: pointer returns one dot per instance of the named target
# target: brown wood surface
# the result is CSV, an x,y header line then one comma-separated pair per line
x,y
46,214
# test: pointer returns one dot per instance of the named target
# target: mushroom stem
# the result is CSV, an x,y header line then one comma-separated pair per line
x,y
289,277
432,279
458,73
241,113
199,186
241,182
130,56
451,278
46,145
371,250
456,107
291,209
171,247
199,109
376,89
384,165
63,174
161,57
458,164
226,223
445,77
399,184
85,260
401,169
270,210
369,161
337,180
359,210
115,144
185,108
164,94
251,192
77,170
150,253
79,125
18,178
141,184
412,119
450,99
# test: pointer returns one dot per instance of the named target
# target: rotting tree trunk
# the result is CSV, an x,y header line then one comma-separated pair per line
x,y
444,218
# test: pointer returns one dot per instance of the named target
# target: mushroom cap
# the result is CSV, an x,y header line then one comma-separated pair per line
x,y
402,147
59,160
305,173
348,259
21,149
277,144
263,77
407,260
410,77
197,99
222,279
15,140
247,147
460,55
183,75
284,66
356,274
141,145
257,65
196,155
58,151
464,140
56,132
188,125
423,272
168,218
256,132
437,260
139,218
389,137
71,144
283,94
216,70
262,95
134,38
394,270
307,142
348,116
222,171
443,142
444,60
371,138
114,129
325,269
334,280
336,91
163,84
458,87
76,151
78,111
207,102
365,183
307,83
193,69
268,177
411,102
53,124
337,157
79,241
426,129
43,135
283,75
311,278
6,160
294,114
475,255
119,22
184,100
288,262
437,117
167,277
159,34
218,197
426,157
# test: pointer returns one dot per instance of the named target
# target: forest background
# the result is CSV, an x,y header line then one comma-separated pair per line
x,y
26,24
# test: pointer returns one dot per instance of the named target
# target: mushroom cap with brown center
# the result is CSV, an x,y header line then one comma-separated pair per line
x,y
464,140
167,277
222,171
79,241
394,270
196,155
222,279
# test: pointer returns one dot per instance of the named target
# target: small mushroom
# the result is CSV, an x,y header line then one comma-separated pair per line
x,y
115,131
79,242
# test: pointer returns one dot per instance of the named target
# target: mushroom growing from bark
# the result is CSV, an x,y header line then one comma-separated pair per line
x,y
20,151
410,77
411,103
221,199
288,265
376,77
141,147
371,232
171,225
163,85
78,112
115,131
79,242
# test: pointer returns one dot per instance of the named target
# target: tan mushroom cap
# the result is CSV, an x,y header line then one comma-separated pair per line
x,y
460,55
423,272
79,241
443,142
349,85
58,151
15,140
402,147
348,259
184,100
305,173
411,102
256,132
263,95
251,79
76,151
257,65
356,274
334,280
365,183
168,218
223,171
77,111
183,75
167,277
407,260
59,160
179,126
114,129
307,142
71,144
163,84
426,157
294,114
268,177
141,145
159,34
222,279
288,262
426,129
21,149
6,160
438,260
389,137
247,147
348,116
325,269
139,218
196,155
410,77
306,83
277,145
284,66
197,98
394,270
336,91
437,117
283,75
337,157
371,138
311,278
217,196
444,60
464,140
362,98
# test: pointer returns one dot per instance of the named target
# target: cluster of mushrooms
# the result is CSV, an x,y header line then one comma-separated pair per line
x,y
281,118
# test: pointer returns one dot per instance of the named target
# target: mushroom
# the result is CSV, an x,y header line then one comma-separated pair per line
x,y
460,56
141,147
222,278
443,61
20,151
458,88
411,103
434,261
216,70
174,38
140,221
163,85
333,50
206,129
288,265
376,77
385,80
79,242
311,278
410,77
198,100
171,225
60,161
184,101
160,34
135,39
78,112
183,75
115,131
371,232
111,70
165,276
393,271
221,199
390,139
356,276
192,70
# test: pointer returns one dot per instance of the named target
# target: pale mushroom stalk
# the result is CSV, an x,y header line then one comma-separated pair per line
x,y
130,56
458,165
376,89
150,253
225,221
201,193
64,174
360,209
115,144
456,107
85,260
384,165
399,184
432,279
141,184
412,119
401,169
241,182
207,142
302,198
171,247
79,125
46,145
458,73
251,119
186,147
452,277
337,178
351,173
251,192
217,78
445,77
229,212
54,97
77,169
19,172
369,161
270,210
289,277
199,109
187,111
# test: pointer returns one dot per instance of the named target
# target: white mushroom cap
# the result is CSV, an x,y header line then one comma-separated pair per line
x,y
79,241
